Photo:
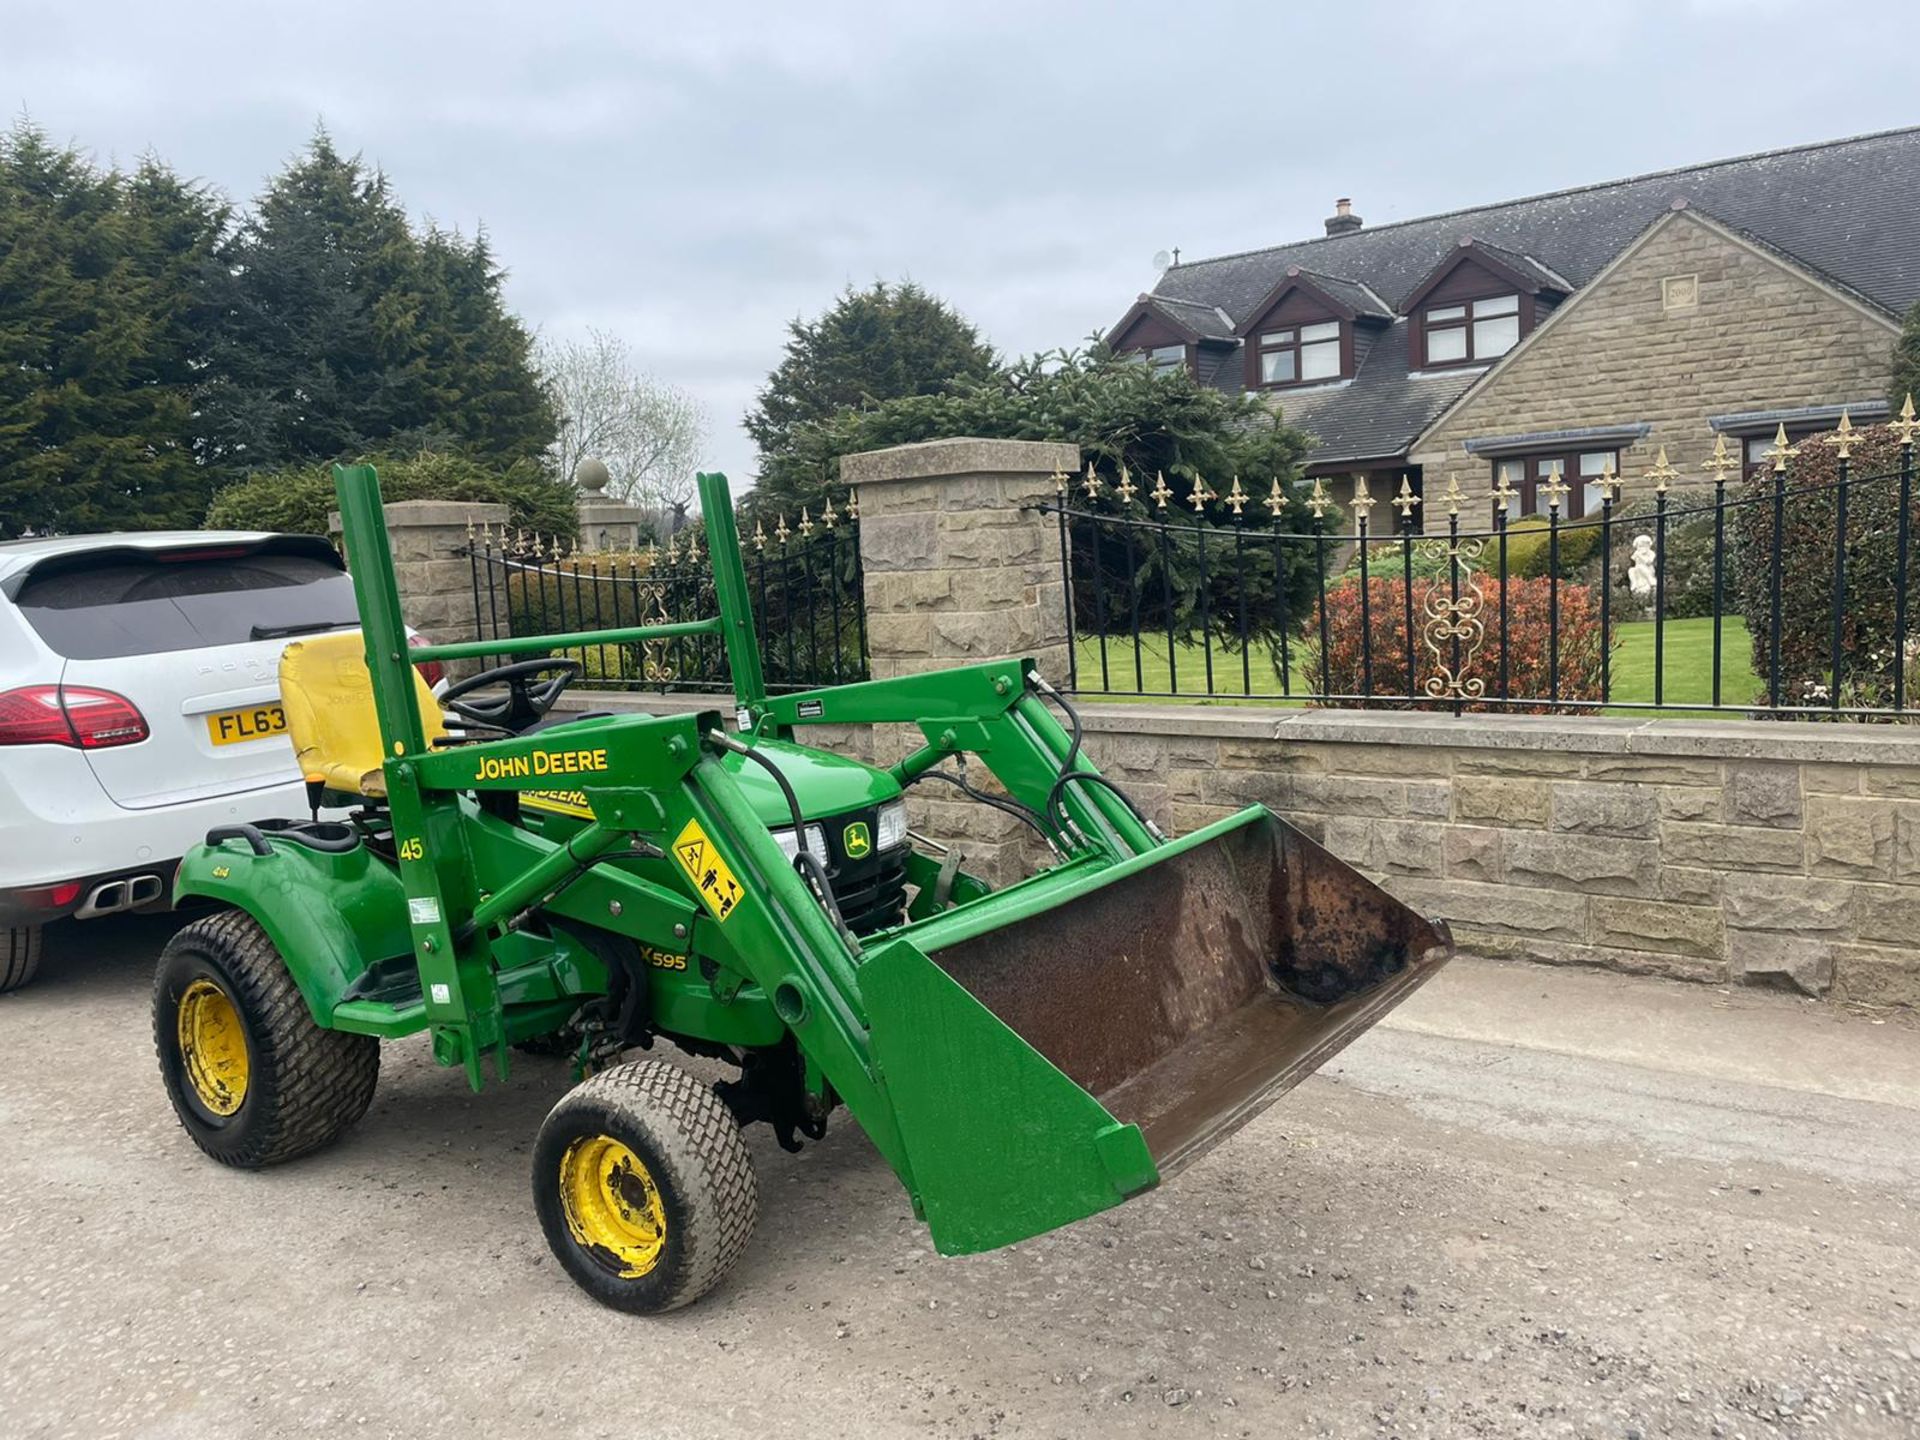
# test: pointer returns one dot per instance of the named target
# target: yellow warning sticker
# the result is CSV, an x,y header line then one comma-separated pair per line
x,y
707,870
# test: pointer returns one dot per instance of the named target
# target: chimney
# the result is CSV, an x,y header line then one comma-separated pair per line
x,y
1343,221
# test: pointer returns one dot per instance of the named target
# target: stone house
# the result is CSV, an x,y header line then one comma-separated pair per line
x,y
1555,337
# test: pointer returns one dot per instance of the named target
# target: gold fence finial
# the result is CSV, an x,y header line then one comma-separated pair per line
x,y
853,504
1843,436
1201,495
1661,473
1318,502
1906,424
759,536
1237,499
1059,481
1161,494
1609,482
1276,500
1721,461
780,531
1126,489
828,516
1782,451
1092,483
1363,501
1454,494
806,524
1406,501
1556,491
1504,493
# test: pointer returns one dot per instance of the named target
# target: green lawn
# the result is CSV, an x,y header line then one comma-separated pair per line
x,y
1687,662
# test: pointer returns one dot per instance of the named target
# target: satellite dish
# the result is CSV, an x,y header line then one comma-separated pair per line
x,y
1161,259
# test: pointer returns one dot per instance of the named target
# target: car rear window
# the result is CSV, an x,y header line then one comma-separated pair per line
x,y
98,608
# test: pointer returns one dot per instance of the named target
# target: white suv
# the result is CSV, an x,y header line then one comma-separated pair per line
x,y
139,708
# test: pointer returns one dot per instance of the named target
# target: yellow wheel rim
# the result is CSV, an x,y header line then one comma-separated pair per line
x,y
213,1047
613,1208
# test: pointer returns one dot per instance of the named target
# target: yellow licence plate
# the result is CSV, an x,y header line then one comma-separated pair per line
x,y
230,727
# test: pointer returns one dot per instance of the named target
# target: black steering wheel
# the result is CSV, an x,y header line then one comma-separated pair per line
x,y
524,702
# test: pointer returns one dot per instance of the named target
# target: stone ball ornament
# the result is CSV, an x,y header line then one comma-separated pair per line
x,y
591,476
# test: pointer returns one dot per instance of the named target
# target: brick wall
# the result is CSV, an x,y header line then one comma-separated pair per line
x,y
1762,336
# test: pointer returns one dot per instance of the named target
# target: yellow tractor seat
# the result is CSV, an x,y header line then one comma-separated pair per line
x,y
328,697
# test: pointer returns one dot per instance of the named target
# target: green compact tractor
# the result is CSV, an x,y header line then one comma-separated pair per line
x,y
588,884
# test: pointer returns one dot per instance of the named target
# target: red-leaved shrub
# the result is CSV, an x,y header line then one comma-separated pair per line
x,y
1527,646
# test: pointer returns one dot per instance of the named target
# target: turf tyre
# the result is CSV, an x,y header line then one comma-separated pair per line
x,y
691,1144
305,1085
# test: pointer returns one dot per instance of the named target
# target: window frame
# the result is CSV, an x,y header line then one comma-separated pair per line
x,y
1149,357
1527,489
1468,323
1292,342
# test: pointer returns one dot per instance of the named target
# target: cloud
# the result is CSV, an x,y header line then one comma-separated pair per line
x,y
695,177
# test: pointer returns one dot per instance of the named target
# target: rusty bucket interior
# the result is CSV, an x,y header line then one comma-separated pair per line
x,y
1190,995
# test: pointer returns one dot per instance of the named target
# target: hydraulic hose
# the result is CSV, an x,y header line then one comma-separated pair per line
x,y
804,860
1009,806
1054,807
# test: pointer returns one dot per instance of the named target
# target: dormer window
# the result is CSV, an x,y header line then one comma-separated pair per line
x,y
1300,354
1165,357
1310,330
1477,304
1475,331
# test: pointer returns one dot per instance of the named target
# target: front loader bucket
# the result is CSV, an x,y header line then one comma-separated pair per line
x,y
1081,1037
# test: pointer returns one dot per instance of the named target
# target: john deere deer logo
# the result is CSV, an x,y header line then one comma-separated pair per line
x,y
857,841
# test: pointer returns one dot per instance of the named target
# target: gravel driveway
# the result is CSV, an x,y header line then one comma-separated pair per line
x,y
1541,1203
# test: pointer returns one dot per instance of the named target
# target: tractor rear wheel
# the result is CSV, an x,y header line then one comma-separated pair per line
x,y
252,1078
644,1186
19,955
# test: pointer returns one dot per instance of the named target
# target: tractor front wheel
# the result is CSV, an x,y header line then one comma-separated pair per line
x,y
252,1078
644,1187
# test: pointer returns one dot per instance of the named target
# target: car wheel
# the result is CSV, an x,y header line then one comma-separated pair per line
x,y
19,956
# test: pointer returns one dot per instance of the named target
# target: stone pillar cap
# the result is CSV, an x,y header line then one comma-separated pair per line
x,y
959,456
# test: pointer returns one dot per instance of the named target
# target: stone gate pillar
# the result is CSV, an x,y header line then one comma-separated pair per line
x,y
960,567
429,539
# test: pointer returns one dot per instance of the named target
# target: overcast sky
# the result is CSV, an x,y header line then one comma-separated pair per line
x,y
692,177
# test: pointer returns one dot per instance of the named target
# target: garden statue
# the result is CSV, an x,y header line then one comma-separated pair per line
x,y
1640,578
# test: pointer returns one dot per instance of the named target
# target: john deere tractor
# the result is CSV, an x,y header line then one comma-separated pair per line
x,y
589,885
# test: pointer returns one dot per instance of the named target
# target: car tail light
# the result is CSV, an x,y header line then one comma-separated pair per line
x,y
431,671
73,715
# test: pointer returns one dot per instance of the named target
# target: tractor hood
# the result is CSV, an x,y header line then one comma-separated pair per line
x,y
825,784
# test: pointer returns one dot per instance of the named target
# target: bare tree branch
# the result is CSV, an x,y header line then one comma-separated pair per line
x,y
649,434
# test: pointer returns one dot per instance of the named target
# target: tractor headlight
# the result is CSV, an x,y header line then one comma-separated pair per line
x,y
892,829
816,842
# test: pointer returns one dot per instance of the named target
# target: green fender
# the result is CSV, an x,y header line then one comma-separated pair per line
x,y
331,917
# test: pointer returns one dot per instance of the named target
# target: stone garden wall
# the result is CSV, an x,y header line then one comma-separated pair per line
x,y
1779,853
1782,854
1745,852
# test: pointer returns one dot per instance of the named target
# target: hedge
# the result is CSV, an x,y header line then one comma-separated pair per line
x,y
297,501
1528,603
1806,568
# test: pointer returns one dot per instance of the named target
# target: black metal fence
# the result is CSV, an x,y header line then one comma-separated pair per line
x,y
804,584
1780,591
